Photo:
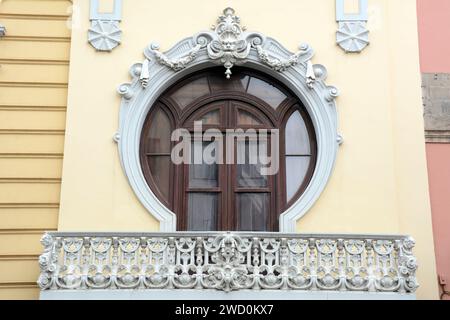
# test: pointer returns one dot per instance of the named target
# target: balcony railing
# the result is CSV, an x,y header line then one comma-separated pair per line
x,y
227,261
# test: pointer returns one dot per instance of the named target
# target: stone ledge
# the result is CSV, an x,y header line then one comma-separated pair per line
x,y
437,136
195,295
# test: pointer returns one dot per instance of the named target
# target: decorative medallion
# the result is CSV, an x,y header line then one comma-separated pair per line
x,y
352,35
104,33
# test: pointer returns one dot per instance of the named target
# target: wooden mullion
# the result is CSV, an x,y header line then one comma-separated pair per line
x,y
299,155
253,190
158,154
203,190
227,190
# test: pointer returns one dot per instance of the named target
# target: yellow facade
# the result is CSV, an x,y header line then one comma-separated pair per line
x,y
34,66
379,184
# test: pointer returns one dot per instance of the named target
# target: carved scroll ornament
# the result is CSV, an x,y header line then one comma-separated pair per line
x,y
229,45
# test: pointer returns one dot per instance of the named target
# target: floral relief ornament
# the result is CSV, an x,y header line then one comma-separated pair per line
x,y
229,44
352,36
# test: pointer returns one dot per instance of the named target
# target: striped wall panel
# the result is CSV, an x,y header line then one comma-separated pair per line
x,y
34,66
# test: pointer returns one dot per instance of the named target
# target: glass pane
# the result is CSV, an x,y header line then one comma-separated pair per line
x,y
160,169
248,165
297,137
202,212
191,91
202,175
266,92
158,139
249,176
296,169
212,117
253,211
246,118
219,82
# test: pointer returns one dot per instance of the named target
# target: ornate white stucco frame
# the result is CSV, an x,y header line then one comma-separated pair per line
x,y
227,45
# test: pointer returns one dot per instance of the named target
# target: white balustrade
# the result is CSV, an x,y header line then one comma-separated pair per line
x,y
227,261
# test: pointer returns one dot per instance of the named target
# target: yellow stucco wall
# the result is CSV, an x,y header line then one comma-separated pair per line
x,y
379,184
34,65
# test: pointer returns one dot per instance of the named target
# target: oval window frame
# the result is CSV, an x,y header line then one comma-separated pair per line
x,y
318,99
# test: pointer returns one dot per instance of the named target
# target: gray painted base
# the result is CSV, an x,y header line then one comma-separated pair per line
x,y
217,295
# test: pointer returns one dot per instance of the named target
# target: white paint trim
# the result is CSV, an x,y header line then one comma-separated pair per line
x,y
138,99
362,15
191,295
115,15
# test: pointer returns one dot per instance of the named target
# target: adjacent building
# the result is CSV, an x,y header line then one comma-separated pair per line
x,y
434,21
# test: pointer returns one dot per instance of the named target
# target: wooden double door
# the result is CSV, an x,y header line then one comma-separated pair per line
x,y
233,193
228,195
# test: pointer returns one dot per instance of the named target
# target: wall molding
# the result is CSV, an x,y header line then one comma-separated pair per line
x,y
352,35
438,136
195,295
160,70
105,33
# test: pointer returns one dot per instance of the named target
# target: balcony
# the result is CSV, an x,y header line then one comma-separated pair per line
x,y
226,265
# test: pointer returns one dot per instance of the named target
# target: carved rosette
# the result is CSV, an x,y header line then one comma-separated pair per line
x,y
352,36
104,35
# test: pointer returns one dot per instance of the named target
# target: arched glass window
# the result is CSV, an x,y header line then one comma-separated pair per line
x,y
229,195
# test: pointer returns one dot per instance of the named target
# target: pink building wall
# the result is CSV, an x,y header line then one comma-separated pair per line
x,y
438,156
434,36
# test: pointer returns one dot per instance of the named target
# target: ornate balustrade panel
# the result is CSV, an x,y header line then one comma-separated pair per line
x,y
227,262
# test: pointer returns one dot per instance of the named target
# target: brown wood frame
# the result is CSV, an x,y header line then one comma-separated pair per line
x,y
227,185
